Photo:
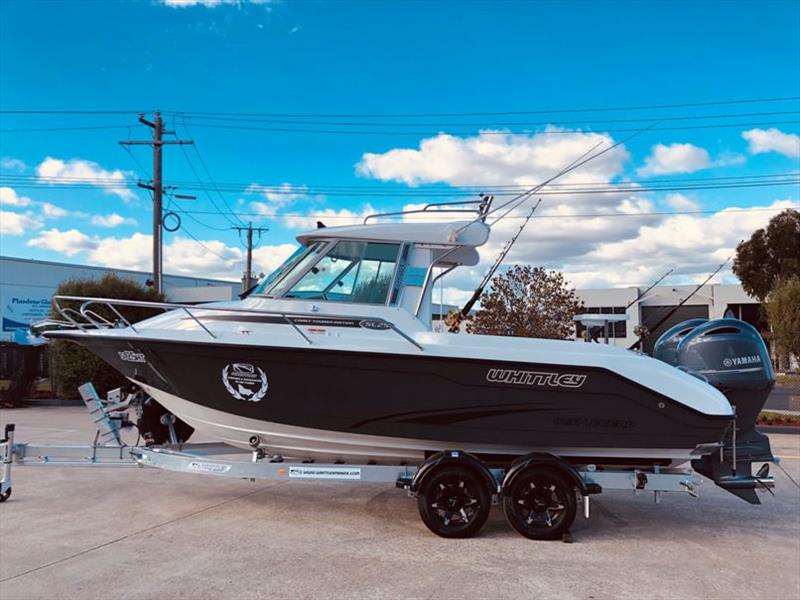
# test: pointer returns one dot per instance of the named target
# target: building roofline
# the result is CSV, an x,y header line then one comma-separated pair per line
x,y
115,269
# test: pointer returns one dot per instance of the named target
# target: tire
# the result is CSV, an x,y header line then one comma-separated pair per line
x,y
153,431
454,502
540,504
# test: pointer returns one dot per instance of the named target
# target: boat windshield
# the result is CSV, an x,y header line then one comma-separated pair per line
x,y
285,267
346,271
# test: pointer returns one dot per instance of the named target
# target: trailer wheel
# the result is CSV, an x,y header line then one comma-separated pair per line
x,y
454,502
540,504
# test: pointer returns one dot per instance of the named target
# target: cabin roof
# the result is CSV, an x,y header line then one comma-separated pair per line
x,y
455,233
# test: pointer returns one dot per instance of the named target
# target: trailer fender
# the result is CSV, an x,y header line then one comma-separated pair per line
x,y
450,457
538,459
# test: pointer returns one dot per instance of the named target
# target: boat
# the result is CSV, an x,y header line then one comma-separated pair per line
x,y
333,357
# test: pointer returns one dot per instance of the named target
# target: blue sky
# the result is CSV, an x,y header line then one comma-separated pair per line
x,y
388,58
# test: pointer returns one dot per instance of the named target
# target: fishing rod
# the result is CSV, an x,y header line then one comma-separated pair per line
x,y
638,342
517,201
597,329
456,323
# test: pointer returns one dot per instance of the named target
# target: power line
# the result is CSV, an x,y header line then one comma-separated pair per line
x,y
492,133
496,124
287,215
422,189
439,194
187,232
38,129
208,173
503,113
410,114
203,187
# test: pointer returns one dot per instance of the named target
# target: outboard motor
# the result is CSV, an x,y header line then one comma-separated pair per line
x,y
730,355
666,347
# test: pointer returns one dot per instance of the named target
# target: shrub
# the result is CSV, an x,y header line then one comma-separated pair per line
x,y
74,365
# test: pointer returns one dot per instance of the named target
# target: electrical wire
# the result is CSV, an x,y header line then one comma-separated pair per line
x,y
412,114
630,188
489,133
208,173
515,112
295,215
493,124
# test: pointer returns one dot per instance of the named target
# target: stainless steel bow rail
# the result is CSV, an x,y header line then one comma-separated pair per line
x,y
85,317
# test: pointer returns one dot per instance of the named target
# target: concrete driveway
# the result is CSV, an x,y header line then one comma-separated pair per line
x,y
140,533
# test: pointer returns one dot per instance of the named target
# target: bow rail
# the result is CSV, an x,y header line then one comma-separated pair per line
x,y
88,318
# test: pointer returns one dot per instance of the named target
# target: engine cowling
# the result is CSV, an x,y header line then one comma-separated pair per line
x,y
730,355
666,347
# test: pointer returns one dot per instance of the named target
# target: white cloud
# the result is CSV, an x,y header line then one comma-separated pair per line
x,y
693,245
681,202
278,196
12,164
210,3
12,223
675,158
772,140
493,158
69,242
268,258
51,211
111,220
79,171
9,197
329,217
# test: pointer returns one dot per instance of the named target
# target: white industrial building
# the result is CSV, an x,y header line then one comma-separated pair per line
x,y
712,301
26,287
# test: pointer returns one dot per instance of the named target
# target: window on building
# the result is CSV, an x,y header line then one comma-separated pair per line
x,y
618,329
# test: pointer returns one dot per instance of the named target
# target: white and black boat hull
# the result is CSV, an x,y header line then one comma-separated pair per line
x,y
330,405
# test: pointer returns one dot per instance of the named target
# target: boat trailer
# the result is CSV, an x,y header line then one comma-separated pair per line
x,y
454,490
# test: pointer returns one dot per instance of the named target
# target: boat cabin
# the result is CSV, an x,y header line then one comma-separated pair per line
x,y
389,264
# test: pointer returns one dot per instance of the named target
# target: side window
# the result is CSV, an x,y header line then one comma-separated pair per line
x,y
350,272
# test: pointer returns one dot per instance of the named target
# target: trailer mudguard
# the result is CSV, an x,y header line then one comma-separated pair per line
x,y
541,459
447,457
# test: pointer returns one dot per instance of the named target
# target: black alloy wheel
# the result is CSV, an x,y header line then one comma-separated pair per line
x,y
540,504
454,502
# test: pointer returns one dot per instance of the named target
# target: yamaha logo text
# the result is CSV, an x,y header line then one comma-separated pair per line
x,y
536,378
738,361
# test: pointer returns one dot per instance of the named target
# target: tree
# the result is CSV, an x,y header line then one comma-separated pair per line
x,y
770,256
527,301
783,310
72,364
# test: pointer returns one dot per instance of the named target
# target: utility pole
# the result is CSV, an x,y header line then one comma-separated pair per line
x,y
247,280
157,187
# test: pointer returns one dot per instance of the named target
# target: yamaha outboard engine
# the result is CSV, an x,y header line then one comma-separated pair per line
x,y
666,347
730,355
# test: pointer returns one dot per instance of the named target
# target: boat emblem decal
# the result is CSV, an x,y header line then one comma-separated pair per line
x,y
245,381
539,378
131,356
378,324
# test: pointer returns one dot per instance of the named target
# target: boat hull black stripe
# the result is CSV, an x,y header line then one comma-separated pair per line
x,y
419,396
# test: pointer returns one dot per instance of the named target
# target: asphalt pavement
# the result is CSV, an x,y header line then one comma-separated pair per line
x,y
78,532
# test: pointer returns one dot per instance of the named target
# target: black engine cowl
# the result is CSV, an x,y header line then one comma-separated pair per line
x,y
730,355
